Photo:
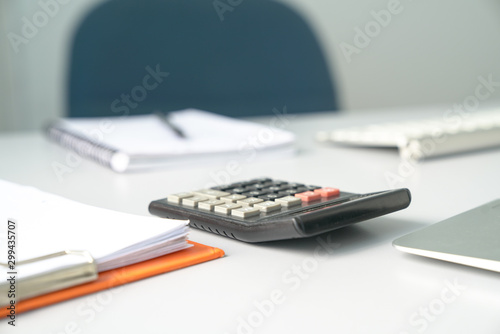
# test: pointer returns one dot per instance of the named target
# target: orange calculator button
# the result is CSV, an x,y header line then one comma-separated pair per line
x,y
308,196
327,192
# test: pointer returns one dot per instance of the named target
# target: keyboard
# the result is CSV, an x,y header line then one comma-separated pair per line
x,y
417,139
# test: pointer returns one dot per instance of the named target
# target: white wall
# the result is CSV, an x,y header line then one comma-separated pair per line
x,y
429,53
5,78
37,64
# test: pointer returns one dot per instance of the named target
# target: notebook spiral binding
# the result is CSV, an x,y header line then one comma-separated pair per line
x,y
82,145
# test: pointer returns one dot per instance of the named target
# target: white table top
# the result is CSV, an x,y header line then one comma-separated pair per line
x,y
363,285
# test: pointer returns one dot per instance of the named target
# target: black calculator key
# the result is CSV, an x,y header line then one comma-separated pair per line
x,y
270,197
224,187
256,186
301,189
296,185
288,192
255,193
278,182
274,189
238,190
312,188
242,184
285,187
236,185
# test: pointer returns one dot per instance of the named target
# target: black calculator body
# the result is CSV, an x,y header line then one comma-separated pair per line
x,y
265,209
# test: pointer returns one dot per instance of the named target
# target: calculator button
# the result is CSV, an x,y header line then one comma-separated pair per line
x,y
312,188
274,188
255,193
232,198
295,185
224,187
308,196
288,201
266,184
239,190
211,193
193,201
267,206
249,201
288,192
226,208
327,192
176,198
235,185
301,190
269,197
242,184
209,205
245,212
256,186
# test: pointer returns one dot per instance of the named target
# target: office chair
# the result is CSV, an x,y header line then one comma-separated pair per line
x,y
136,56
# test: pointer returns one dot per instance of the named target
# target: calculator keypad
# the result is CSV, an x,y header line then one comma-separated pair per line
x,y
253,198
264,209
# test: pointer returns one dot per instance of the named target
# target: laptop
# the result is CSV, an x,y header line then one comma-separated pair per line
x,y
471,238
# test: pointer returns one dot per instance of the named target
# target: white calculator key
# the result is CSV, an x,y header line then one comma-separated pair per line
x,y
250,201
176,198
193,201
232,198
226,208
267,206
209,205
245,212
211,193
288,201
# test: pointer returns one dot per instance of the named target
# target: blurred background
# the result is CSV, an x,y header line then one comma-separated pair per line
x,y
429,53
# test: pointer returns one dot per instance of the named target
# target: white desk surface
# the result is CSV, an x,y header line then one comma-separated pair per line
x,y
363,285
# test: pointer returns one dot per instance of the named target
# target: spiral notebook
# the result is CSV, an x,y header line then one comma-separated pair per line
x,y
149,141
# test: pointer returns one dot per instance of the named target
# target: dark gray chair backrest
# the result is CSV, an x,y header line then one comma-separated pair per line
x,y
244,59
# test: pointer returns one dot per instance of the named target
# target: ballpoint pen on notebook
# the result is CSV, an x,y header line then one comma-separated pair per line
x,y
198,135
164,117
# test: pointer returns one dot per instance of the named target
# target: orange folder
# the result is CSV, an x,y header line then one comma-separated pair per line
x,y
107,279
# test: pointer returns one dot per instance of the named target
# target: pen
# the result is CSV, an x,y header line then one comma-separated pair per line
x,y
165,119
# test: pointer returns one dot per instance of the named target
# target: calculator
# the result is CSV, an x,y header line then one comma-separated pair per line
x,y
265,209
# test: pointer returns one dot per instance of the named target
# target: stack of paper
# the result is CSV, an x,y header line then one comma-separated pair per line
x,y
47,224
